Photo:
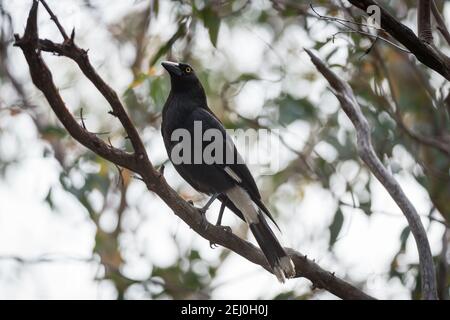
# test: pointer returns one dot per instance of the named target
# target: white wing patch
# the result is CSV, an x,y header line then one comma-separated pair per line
x,y
243,202
232,174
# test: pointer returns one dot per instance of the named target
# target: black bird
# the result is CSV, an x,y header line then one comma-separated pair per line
x,y
229,181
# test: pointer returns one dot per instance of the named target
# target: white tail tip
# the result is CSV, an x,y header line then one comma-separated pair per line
x,y
284,269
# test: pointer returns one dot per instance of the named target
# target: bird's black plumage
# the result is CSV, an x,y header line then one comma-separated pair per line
x,y
185,108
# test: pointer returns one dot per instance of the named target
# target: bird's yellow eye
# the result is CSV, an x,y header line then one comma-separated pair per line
x,y
188,70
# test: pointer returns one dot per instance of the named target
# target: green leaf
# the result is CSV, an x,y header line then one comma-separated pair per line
x,y
166,47
318,45
336,226
288,295
366,207
247,77
49,200
156,7
213,30
212,23
194,255
54,131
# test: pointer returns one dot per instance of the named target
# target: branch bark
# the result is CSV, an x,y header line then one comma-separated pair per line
x,y
424,21
345,95
139,162
425,52
443,268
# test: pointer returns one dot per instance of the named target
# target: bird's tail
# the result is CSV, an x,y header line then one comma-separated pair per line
x,y
281,264
276,256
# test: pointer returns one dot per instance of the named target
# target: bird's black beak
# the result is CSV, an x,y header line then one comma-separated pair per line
x,y
172,67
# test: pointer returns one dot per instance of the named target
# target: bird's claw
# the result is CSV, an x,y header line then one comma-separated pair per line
x,y
227,229
212,245
204,223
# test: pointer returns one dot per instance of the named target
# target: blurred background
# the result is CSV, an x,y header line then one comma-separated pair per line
x,y
72,226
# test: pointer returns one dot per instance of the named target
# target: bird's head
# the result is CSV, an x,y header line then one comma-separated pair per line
x,y
182,76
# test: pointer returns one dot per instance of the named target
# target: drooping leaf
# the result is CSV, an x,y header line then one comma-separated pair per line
x,y
336,226
49,199
168,45
212,23
366,207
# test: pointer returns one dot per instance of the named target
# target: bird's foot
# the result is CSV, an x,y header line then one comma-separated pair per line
x,y
213,245
204,223
202,211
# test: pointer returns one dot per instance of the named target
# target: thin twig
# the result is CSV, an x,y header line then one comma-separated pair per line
x,y
344,22
375,37
441,26
55,19
82,119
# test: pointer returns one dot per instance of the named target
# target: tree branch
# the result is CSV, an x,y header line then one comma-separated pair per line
x,y
424,21
424,52
441,26
345,95
139,162
55,20
443,269
353,27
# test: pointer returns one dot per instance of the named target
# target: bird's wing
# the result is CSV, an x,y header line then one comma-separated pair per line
x,y
237,170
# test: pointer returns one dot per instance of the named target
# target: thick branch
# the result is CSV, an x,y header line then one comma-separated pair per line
x,y
345,95
424,21
424,52
42,78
